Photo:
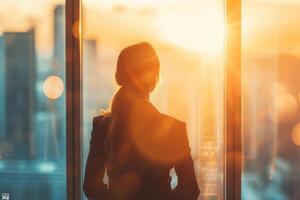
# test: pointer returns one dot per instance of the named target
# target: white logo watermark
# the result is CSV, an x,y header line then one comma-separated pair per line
x,y
5,196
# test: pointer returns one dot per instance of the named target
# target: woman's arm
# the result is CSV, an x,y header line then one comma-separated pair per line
x,y
93,186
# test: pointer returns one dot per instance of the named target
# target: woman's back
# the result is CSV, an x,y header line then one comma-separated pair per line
x,y
135,143
140,147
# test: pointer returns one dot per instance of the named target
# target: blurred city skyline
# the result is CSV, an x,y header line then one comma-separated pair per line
x,y
115,13
151,16
189,41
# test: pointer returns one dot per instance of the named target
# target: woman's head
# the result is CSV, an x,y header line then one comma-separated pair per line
x,y
138,67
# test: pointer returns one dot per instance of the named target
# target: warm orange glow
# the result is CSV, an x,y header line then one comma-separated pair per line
x,y
197,26
296,135
76,29
53,87
283,108
270,25
279,88
202,32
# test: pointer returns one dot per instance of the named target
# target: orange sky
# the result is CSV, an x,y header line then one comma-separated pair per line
x,y
193,25
271,25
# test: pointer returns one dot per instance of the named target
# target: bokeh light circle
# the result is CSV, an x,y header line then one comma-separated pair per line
x,y
296,135
76,29
53,87
283,108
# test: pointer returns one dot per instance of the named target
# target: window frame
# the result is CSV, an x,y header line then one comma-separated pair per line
x,y
73,98
232,97
233,130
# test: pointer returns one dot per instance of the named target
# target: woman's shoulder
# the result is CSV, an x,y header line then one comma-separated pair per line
x,y
99,119
100,124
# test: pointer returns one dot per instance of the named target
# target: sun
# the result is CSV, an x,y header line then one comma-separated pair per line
x,y
200,31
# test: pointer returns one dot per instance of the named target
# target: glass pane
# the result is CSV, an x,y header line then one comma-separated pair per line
x,y
188,39
32,100
271,86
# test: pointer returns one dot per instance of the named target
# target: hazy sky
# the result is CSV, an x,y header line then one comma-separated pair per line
x,y
196,25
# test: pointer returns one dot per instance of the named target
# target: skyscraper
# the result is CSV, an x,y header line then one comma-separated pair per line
x,y
59,40
2,95
19,56
59,66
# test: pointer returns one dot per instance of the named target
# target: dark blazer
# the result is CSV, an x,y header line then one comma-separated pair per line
x,y
140,171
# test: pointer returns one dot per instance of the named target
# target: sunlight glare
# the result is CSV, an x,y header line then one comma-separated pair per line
x,y
202,31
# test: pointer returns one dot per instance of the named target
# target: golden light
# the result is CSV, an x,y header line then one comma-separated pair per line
x,y
201,31
283,108
76,29
53,87
279,88
296,135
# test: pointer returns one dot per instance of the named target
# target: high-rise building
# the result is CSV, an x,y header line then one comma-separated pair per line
x,y
19,56
59,40
58,106
2,95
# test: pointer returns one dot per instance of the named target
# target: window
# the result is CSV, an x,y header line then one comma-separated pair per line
x,y
188,37
270,99
32,100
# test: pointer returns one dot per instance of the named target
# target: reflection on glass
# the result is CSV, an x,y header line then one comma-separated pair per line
x,y
271,86
188,37
32,120
296,135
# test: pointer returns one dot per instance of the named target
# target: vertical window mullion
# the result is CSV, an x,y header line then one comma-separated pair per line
x,y
73,85
233,100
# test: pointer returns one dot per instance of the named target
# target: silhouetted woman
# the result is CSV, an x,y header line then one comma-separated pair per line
x,y
135,143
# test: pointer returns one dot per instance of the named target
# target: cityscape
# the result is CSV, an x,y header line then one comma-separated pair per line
x,y
191,88
32,126
36,147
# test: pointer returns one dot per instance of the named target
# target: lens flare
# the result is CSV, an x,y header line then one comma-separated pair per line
x,y
283,108
296,135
